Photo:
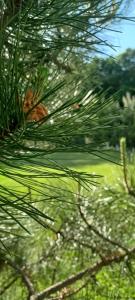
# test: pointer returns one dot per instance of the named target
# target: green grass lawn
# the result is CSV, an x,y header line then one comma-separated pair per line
x,y
108,166
79,162
82,159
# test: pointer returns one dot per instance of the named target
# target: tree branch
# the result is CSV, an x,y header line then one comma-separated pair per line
x,y
71,293
24,276
95,230
115,257
7,286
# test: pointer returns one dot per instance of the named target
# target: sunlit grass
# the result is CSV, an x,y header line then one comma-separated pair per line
x,y
109,171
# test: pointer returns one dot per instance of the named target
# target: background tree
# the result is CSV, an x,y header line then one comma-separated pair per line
x,y
113,74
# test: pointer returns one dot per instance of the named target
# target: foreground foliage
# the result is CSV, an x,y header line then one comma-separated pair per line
x,y
90,253
38,42
33,37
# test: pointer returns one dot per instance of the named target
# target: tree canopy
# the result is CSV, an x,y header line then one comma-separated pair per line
x,y
116,75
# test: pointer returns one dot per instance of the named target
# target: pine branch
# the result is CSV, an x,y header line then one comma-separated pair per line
x,y
32,28
25,277
68,293
97,267
8,285
92,228
114,257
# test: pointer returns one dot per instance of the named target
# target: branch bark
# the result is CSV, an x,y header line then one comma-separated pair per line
x,y
25,278
115,257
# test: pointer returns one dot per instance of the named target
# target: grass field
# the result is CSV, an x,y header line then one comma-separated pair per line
x,y
108,166
110,171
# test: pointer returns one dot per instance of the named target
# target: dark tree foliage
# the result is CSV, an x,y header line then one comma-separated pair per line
x,y
117,75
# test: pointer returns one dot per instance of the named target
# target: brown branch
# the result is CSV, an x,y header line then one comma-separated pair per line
x,y
115,257
7,286
95,230
73,292
98,233
60,285
27,282
25,278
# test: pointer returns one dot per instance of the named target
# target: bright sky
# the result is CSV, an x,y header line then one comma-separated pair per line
x,y
126,37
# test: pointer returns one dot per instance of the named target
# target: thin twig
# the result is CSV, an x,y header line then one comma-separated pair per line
x,y
92,228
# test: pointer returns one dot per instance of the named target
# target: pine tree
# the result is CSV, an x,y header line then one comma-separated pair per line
x,y
45,110
38,99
